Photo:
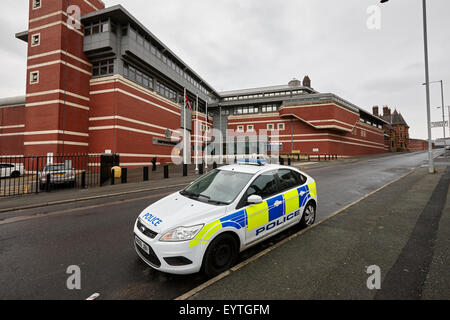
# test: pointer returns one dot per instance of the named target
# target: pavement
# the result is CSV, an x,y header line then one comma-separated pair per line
x,y
403,229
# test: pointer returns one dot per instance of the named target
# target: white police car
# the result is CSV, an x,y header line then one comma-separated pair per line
x,y
224,212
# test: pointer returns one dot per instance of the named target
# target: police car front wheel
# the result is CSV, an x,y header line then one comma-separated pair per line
x,y
220,255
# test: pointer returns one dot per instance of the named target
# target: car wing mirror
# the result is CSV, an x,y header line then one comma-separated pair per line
x,y
254,199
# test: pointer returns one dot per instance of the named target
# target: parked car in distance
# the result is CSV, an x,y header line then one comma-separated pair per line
x,y
59,174
11,170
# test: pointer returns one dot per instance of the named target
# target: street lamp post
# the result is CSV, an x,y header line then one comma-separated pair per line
x,y
427,82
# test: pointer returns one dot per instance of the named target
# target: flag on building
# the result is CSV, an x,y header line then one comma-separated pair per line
x,y
188,105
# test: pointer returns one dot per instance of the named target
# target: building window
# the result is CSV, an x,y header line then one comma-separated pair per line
x,y
250,128
240,129
270,127
34,77
104,67
104,26
37,4
35,39
281,126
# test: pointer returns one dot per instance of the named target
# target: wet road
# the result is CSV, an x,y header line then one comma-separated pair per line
x,y
37,246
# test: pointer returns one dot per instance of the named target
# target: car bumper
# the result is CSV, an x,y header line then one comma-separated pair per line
x,y
162,252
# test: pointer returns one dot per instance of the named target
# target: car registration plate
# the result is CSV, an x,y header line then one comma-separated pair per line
x,y
142,245
59,174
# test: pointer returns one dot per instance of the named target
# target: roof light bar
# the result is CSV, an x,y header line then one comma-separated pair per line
x,y
257,162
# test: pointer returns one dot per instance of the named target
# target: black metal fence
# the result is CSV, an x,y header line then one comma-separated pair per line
x,y
34,174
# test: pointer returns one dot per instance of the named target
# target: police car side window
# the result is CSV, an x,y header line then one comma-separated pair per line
x,y
288,179
264,186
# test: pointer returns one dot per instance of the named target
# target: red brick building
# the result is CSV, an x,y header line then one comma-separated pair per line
x,y
396,130
112,86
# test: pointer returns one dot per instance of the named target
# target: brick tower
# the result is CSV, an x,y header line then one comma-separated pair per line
x,y
58,75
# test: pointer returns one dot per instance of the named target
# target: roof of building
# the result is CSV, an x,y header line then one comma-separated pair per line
x,y
12,101
395,118
264,89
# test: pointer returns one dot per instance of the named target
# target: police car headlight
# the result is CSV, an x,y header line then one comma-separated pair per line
x,y
182,233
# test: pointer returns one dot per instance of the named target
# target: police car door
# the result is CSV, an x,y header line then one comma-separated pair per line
x,y
294,194
259,215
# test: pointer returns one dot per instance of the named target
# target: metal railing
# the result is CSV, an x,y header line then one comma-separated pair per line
x,y
34,174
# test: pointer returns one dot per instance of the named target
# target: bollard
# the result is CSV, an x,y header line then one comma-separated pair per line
x,y
166,171
319,157
83,180
200,169
145,173
185,170
112,177
154,164
309,158
289,161
281,161
215,165
124,177
48,183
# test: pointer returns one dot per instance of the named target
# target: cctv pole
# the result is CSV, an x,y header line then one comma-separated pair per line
x,y
427,84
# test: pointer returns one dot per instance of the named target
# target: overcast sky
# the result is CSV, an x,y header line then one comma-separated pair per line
x,y
237,44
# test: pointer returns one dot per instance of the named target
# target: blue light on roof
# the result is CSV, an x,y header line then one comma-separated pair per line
x,y
258,162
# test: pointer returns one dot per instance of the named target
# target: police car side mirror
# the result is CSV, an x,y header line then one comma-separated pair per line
x,y
254,199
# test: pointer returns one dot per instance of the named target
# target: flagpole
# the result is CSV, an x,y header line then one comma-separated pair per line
x,y
206,136
196,134
184,128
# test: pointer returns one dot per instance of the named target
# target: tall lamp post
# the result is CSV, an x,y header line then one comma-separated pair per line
x,y
427,84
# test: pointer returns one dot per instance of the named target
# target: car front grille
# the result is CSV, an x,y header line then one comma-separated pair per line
x,y
149,233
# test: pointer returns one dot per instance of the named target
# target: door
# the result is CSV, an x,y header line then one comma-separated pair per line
x,y
259,215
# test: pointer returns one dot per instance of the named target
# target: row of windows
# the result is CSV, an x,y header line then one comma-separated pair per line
x,y
147,81
166,92
256,109
371,123
146,43
135,75
99,27
104,67
263,95
270,127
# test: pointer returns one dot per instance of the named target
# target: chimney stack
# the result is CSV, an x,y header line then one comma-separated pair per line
x,y
386,111
307,82
375,111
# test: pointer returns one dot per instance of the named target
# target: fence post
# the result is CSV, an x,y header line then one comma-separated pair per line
x,y
166,171
37,174
124,177
145,173
48,182
83,180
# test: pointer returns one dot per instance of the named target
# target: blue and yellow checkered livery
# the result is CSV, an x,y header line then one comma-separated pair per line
x,y
259,214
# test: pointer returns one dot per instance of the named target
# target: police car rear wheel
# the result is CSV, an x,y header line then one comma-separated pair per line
x,y
220,255
309,216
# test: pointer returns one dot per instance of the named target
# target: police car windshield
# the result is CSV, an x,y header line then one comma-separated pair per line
x,y
218,187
